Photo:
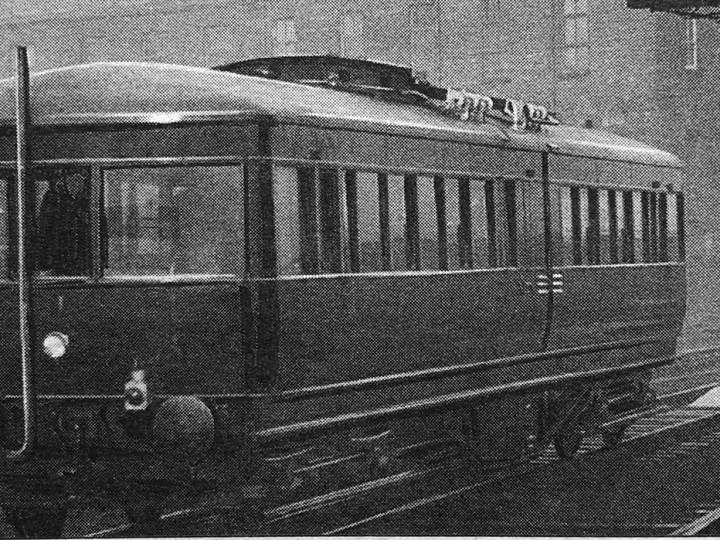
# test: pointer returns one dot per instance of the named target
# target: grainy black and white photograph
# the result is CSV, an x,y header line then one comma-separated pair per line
x,y
359,268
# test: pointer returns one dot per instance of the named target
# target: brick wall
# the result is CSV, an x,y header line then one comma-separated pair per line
x,y
635,83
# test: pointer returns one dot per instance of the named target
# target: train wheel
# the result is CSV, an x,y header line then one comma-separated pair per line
x,y
612,437
37,522
568,440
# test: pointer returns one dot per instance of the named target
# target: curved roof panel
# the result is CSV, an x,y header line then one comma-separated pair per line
x,y
104,92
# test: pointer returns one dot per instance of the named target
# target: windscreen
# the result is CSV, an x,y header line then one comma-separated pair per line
x,y
174,220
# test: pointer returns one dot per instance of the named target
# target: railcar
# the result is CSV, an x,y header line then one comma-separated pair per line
x,y
278,266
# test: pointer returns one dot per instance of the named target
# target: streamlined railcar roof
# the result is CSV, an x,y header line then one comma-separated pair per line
x,y
106,93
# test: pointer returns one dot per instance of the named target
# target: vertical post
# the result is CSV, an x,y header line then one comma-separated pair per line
x,y
27,337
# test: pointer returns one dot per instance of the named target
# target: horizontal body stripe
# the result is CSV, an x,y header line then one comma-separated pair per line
x,y
312,428
452,371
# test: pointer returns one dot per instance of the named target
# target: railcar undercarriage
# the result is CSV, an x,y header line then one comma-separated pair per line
x,y
100,455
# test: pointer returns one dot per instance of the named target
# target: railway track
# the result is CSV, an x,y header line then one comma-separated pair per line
x,y
652,485
450,496
528,500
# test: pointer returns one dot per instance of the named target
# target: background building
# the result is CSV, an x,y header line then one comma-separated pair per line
x,y
650,76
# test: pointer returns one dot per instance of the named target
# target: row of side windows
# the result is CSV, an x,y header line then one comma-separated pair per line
x,y
334,221
606,226
331,221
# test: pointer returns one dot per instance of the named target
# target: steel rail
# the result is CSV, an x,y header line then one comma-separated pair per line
x,y
700,526
639,443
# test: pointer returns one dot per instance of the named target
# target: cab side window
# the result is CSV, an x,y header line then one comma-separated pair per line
x,y
61,222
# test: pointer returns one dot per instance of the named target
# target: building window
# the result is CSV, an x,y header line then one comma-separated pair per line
x,y
576,51
351,44
691,60
285,37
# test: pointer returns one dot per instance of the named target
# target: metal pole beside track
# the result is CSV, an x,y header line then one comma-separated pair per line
x,y
27,334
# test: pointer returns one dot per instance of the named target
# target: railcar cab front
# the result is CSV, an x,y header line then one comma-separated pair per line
x,y
142,310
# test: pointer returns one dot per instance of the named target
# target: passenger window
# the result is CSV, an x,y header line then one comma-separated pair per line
x,y
640,219
619,225
287,220
446,223
681,226
628,232
589,226
578,210
331,221
351,219
662,227
492,227
396,222
382,235
608,227
370,253
465,227
654,226
602,236
567,241
556,224
531,216
412,232
427,223
646,227
592,231
504,207
442,219
478,224
512,221
308,211
453,227
672,227
179,220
